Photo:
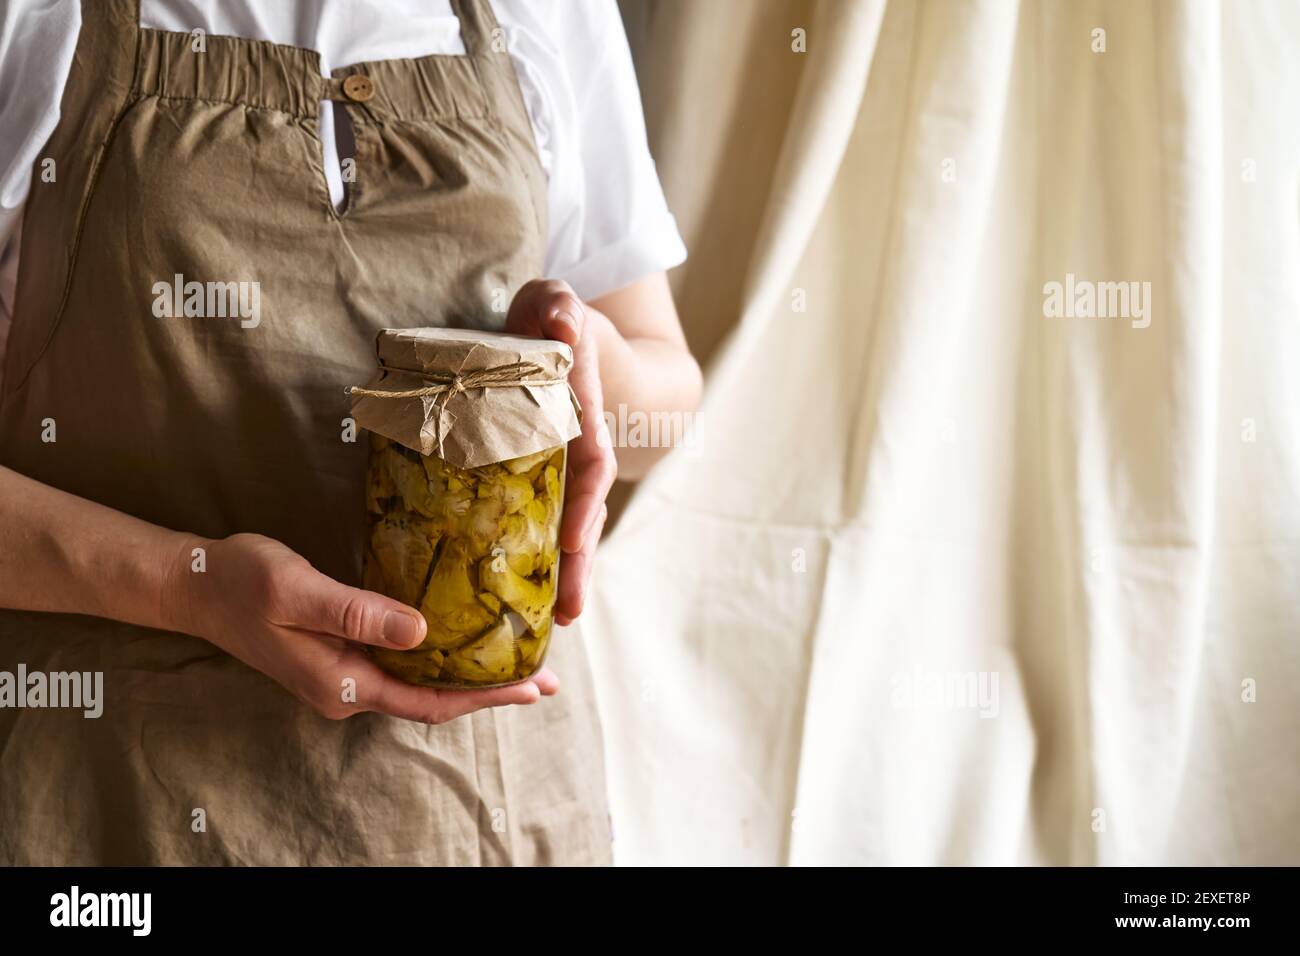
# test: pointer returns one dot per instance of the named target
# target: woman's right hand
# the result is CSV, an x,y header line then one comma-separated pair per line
x,y
267,606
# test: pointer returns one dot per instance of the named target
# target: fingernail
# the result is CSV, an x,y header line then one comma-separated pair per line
x,y
401,630
567,317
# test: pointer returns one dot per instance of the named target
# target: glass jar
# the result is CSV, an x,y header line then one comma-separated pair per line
x,y
476,551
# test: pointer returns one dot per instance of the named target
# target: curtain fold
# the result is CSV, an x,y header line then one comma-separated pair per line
x,y
963,569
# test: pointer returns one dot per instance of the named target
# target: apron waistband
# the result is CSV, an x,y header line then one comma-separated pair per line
x,y
274,76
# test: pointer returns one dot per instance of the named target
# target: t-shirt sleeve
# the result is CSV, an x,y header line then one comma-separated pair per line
x,y
609,222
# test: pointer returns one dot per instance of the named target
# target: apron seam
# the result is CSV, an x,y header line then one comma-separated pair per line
x,y
83,211
539,216
316,163
507,799
234,39
442,119
374,118
216,101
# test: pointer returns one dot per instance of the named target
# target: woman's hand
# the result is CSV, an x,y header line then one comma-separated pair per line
x,y
267,606
551,310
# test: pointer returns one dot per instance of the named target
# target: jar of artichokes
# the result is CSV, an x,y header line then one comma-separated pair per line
x,y
464,496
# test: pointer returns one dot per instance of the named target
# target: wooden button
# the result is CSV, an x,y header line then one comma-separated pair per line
x,y
358,87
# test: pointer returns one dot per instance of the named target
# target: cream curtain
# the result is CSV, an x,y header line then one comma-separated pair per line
x,y
947,579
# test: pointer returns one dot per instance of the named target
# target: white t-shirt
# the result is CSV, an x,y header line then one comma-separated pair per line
x,y
608,222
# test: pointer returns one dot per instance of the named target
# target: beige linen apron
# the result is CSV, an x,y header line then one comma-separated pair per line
x,y
169,161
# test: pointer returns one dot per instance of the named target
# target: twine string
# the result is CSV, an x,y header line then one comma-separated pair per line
x,y
514,375
498,376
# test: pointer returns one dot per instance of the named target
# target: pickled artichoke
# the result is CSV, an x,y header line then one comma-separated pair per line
x,y
403,551
476,550
451,605
530,601
490,659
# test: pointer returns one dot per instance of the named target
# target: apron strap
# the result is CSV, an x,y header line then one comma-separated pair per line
x,y
116,20
478,26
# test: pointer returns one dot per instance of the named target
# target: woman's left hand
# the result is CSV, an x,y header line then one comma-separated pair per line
x,y
550,309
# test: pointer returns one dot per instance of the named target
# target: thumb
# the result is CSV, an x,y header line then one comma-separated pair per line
x,y
550,309
328,607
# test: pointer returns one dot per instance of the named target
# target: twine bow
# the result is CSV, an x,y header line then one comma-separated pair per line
x,y
499,376
514,375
